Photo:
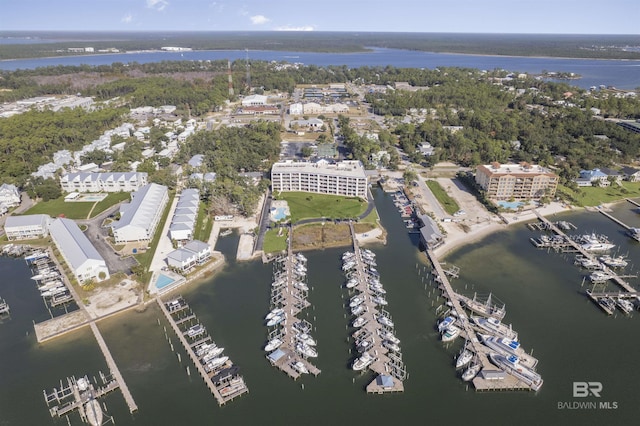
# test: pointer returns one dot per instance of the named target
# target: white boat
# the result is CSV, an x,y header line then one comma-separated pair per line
x,y
625,305
592,243
273,313
464,358
302,327
599,276
379,300
301,286
300,267
348,254
471,372
387,335
442,325
450,333
501,345
359,322
300,367
47,275
195,330
277,319
614,262
217,362
377,288
511,364
204,348
384,320
390,345
273,344
306,350
93,412
348,265
494,326
634,233
277,283
364,345
306,339
53,291
301,257
363,361
50,285
356,301
211,354
353,282
357,310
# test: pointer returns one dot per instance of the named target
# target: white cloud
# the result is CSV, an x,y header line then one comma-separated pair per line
x,y
290,28
127,19
158,5
259,19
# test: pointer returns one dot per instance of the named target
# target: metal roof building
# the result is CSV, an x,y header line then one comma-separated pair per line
x,y
141,216
185,215
83,259
27,227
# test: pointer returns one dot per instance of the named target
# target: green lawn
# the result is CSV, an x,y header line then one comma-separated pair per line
x,y
593,196
273,242
305,205
59,207
204,223
448,204
144,259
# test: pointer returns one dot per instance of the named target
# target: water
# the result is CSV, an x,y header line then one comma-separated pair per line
x,y
571,337
621,74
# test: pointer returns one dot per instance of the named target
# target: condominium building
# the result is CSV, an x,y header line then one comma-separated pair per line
x,y
139,218
106,182
516,181
27,227
346,178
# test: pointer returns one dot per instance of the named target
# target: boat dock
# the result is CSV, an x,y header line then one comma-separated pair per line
x,y
80,394
289,293
221,379
635,203
376,336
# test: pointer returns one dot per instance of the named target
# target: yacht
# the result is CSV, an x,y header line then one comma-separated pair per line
x,y
300,367
212,354
274,313
387,335
353,282
494,326
464,358
471,372
357,310
634,233
350,264
384,320
204,348
594,244
217,362
53,291
390,345
302,327
306,339
500,344
379,300
275,320
599,276
377,288
277,283
306,350
446,323
300,257
195,330
359,322
364,345
363,361
273,344
301,286
614,262
450,333
356,301
625,305
348,254
511,364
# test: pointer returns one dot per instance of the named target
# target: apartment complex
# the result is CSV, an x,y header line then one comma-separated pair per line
x,y
27,227
107,182
516,181
139,218
346,178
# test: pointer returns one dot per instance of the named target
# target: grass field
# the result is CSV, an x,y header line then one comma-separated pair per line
x,y
204,223
448,204
59,207
273,242
304,205
593,196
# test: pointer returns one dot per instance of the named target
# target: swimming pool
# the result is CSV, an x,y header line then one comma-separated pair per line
x,y
511,205
163,281
93,197
279,213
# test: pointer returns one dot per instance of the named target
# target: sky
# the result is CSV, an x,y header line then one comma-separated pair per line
x,y
455,16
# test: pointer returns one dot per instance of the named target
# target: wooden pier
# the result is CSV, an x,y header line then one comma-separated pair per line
x,y
224,389
79,394
618,221
635,203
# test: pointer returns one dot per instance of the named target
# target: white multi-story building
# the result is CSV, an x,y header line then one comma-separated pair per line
x,y
191,254
106,182
9,195
82,257
516,181
253,100
139,218
345,178
27,227
185,215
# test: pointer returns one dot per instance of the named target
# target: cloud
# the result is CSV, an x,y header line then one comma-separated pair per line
x,y
158,5
290,28
259,19
127,19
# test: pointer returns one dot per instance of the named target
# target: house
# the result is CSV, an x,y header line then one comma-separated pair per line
x,y
600,177
190,255
185,215
82,257
206,177
630,174
201,249
9,195
426,149
27,227
196,161
430,235
139,219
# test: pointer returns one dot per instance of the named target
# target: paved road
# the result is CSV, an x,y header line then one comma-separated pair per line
x,y
431,199
264,221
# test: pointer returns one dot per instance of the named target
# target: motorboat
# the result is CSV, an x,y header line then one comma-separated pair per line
x,y
387,335
364,345
593,243
363,361
204,348
634,233
195,330
356,301
353,282
274,313
357,310
277,283
511,364
273,344
348,265
300,257
442,325
614,262
276,320
306,350
379,300
93,412
217,362
500,344
625,305
471,372
301,286
50,285
212,354
52,292
600,276
359,322
302,327
377,288
384,320
306,339
300,367
450,333
494,326
390,345
464,358
348,254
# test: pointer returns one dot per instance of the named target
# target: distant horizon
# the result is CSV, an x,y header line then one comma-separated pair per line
x,y
616,17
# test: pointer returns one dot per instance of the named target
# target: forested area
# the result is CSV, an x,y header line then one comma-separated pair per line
x,y
231,150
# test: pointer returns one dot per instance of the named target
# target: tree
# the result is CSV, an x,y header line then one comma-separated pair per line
x,y
409,175
306,151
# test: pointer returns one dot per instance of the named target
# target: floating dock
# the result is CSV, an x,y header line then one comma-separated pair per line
x,y
81,395
223,381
